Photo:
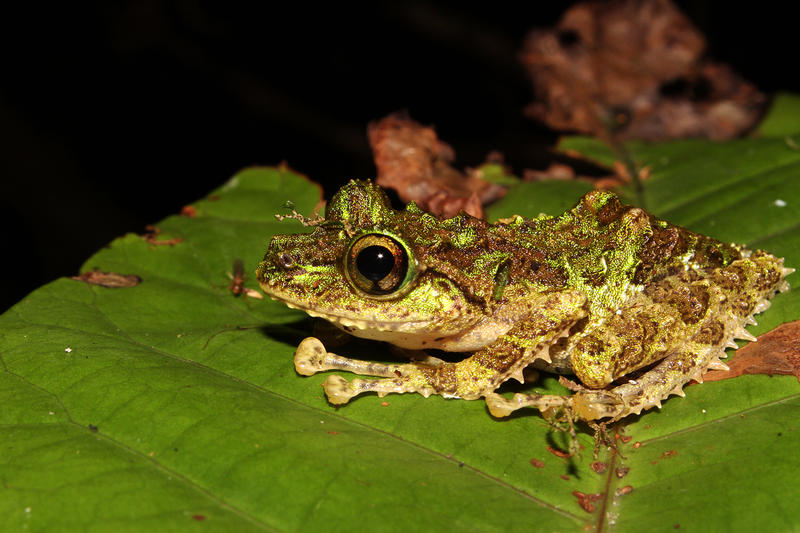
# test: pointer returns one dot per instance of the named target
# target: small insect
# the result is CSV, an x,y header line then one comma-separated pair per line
x,y
237,282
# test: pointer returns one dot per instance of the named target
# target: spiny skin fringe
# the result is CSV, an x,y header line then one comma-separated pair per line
x,y
718,365
743,334
762,306
736,331
678,391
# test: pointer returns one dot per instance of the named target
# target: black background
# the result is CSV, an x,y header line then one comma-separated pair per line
x,y
114,115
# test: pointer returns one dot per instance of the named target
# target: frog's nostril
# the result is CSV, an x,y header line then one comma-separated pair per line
x,y
286,260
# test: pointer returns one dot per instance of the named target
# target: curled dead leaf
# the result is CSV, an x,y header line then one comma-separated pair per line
x,y
413,161
635,70
775,352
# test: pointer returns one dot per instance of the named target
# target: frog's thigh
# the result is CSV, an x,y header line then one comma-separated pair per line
x,y
730,306
646,391
684,313
649,389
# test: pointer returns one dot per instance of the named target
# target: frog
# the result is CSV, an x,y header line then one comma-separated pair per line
x,y
629,306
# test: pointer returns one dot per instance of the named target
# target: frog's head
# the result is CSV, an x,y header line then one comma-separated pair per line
x,y
365,268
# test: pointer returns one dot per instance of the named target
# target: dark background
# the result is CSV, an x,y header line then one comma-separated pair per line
x,y
115,115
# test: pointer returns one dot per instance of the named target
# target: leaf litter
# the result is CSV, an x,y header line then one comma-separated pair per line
x,y
635,70
776,352
412,160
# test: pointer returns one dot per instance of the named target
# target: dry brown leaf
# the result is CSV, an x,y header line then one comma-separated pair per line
x,y
776,352
415,163
635,70
110,280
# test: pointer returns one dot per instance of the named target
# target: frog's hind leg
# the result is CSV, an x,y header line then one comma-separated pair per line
x,y
548,404
735,294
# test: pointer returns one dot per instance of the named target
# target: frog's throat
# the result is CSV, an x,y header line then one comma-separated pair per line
x,y
373,321
414,332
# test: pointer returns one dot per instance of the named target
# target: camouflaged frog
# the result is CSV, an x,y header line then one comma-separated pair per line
x,y
632,306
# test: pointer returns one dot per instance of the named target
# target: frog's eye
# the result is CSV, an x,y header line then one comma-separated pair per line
x,y
378,265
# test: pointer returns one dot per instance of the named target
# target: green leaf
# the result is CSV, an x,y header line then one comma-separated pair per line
x,y
175,403
497,173
535,197
783,116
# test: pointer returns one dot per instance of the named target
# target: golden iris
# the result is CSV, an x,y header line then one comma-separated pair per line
x,y
378,265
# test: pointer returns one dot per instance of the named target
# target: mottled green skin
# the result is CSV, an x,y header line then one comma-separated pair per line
x,y
600,291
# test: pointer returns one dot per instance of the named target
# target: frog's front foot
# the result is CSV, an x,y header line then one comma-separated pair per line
x,y
340,391
591,404
310,356
500,406
585,404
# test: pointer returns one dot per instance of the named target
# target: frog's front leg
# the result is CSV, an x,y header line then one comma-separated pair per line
x,y
312,357
476,376
472,378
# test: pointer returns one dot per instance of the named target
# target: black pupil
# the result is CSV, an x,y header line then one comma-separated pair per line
x,y
375,262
